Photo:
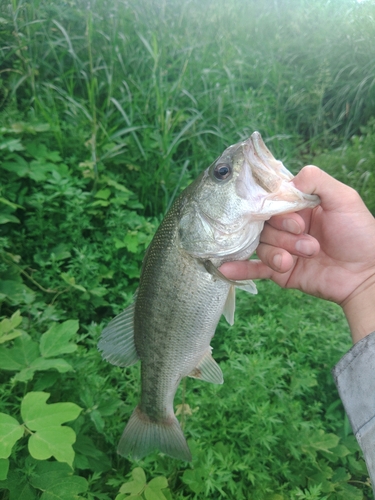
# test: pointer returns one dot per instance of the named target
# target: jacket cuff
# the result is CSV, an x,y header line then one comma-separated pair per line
x,y
354,376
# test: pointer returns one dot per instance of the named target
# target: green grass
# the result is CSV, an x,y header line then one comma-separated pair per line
x,y
107,110
142,87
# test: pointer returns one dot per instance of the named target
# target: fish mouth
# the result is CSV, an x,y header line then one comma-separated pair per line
x,y
267,182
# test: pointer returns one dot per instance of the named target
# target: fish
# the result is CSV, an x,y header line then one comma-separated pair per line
x,y
182,294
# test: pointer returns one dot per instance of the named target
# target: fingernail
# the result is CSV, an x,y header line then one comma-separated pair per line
x,y
276,261
305,246
291,226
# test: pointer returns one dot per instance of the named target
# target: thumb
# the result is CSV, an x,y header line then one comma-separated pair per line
x,y
333,193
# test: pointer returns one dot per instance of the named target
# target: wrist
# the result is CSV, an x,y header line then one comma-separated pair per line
x,y
359,309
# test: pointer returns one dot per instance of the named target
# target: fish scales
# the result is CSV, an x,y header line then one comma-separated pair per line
x,y
182,294
181,318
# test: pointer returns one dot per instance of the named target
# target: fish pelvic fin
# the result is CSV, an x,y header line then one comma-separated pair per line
x,y
230,305
208,370
116,342
143,435
247,285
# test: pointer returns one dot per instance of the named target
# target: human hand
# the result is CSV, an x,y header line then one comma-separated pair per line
x,y
328,251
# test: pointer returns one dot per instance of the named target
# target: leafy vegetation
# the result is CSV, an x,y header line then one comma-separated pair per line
x,y
109,109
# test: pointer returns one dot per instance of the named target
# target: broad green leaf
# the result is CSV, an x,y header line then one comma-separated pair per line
x,y
55,441
194,478
41,364
139,475
5,218
70,280
68,489
19,165
39,170
50,438
154,494
10,432
123,496
340,451
38,415
88,456
349,492
6,337
103,194
357,466
44,480
16,292
18,486
340,475
20,356
57,340
98,420
9,203
11,145
60,252
24,375
321,441
43,470
158,483
132,487
57,481
135,487
4,467
58,364
8,324
82,462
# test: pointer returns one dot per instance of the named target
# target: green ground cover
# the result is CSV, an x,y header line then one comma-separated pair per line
x,y
107,110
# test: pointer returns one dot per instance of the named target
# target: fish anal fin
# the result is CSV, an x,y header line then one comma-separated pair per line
x,y
116,341
208,370
246,285
143,435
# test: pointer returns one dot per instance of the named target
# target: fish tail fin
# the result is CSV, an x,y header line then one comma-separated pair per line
x,y
142,436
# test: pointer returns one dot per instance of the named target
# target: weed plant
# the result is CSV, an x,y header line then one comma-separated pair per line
x,y
108,110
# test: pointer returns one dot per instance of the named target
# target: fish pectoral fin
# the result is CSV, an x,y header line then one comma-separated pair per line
x,y
230,305
246,285
116,342
208,370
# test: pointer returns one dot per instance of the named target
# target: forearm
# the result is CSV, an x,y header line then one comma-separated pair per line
x,y
360,310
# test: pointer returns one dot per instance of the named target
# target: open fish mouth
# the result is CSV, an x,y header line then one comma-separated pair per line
x,y
272,180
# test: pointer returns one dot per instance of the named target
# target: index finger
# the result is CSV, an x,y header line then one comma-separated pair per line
x,y
291,222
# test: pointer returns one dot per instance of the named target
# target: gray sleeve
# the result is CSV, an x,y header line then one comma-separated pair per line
x,y
354,376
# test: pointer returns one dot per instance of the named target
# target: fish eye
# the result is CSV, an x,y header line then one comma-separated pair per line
x,y
222,171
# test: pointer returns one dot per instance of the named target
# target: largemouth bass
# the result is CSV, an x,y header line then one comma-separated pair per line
x,y
181,294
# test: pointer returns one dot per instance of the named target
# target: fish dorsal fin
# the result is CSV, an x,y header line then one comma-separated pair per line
x,y
116,342
247,285
207,369
230,305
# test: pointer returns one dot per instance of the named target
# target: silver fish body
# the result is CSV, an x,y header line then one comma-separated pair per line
x,y
181,293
